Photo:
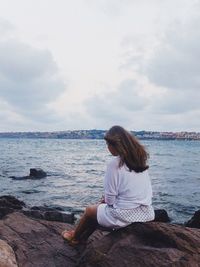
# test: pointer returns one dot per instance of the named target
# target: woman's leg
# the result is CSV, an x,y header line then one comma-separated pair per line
x,y
87,223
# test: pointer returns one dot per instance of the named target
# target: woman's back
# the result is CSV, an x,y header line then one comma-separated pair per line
x,y
131,189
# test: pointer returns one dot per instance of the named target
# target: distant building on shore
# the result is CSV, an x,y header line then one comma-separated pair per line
x,y
99,134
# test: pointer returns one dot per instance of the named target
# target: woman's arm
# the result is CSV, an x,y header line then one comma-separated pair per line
x,y
102,200
111,184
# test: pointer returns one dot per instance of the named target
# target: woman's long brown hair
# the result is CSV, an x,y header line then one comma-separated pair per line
x,y
131,152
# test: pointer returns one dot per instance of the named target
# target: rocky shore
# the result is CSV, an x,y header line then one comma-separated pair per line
x,y
30,237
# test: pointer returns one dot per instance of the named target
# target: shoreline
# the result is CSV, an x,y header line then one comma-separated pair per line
x,y
99,134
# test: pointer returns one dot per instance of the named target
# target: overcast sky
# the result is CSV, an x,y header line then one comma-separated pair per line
x,y
86,64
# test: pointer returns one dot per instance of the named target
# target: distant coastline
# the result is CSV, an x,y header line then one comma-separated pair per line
x,y
99,134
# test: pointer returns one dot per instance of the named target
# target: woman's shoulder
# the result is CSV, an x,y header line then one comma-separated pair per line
x,y
114,162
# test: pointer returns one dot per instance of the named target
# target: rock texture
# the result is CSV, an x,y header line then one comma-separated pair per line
x,y
38,243
145,245
7,255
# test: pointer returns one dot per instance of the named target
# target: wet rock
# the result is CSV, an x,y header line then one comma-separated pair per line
x,y
161,216
9,204
50,215
35,173
34,214
194,222
58,216
8,201
46,208
7,255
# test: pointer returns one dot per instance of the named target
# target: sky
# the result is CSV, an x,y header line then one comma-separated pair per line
x,y
92,64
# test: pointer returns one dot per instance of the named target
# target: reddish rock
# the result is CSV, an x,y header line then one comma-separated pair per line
x,y
37,243
7,256
144,245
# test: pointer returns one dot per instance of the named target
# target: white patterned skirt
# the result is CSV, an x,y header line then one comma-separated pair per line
x,y
115,218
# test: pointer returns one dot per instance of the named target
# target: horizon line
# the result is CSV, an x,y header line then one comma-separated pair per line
x,y
59,131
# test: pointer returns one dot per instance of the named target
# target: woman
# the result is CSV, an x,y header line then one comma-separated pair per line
x,y
127,189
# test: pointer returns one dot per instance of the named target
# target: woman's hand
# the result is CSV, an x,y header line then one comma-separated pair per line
x,y
102,200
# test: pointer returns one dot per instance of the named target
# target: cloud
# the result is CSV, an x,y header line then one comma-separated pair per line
x,y
171,67
141,106
175,63
174,67
112,8
170,102
117,106
5,27
29,79
9,118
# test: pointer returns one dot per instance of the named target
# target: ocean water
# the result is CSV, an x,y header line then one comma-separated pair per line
x,y
76,169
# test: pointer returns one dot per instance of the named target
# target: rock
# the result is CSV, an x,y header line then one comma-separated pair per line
x,y
59,217
20,177
145,244
35,173
46,208
50,215
161,216
194,222
7,255
8,201
9,204
37,243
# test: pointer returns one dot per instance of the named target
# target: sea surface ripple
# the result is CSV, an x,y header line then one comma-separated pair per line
x,y
76,169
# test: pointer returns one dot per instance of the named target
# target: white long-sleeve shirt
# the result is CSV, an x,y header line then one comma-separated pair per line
x,y
125,189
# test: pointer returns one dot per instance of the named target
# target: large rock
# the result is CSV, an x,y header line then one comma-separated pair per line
x,y
7,255
37,243
145,244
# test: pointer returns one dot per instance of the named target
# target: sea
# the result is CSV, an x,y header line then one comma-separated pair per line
x,y
75,172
